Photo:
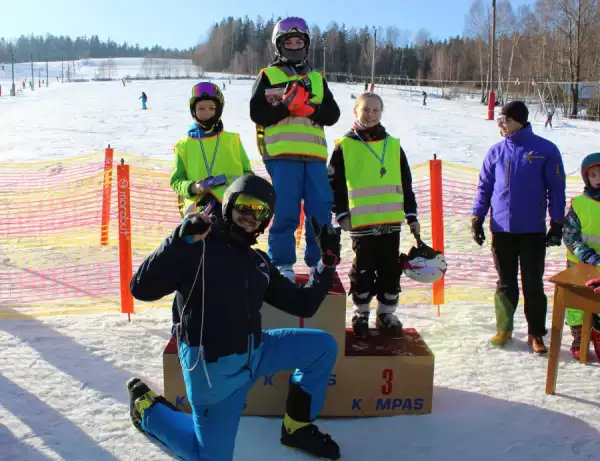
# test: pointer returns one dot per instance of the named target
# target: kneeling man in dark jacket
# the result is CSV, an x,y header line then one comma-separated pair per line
x,y
221,283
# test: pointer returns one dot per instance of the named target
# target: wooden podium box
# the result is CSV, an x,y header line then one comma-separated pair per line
x,y
376,376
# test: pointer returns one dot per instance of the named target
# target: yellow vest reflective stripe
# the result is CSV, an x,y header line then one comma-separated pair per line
x,y
373,199
228,161
588,212
294,135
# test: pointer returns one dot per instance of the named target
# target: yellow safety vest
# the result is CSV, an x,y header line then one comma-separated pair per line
x,y
373,198
588,212
227,161
294,135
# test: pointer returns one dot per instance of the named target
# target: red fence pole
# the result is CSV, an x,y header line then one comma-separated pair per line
x,y
491,105
123,195
437,223
106,193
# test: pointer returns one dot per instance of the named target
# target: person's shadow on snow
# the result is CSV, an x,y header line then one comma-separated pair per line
x,y
463,426
57,432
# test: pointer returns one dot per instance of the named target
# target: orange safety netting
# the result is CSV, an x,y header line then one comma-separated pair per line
x,y
52,260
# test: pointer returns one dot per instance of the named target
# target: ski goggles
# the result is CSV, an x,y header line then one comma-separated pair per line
x,y
293,25
208,90
251,206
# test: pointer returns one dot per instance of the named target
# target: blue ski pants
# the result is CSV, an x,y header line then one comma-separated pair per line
x,y
144,104
296,181
208,434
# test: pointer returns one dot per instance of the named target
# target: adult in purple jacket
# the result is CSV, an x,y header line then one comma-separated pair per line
x,y
522,176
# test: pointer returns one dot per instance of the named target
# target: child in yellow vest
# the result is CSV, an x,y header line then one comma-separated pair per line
x,y
581,235
372,196
290,105
208,159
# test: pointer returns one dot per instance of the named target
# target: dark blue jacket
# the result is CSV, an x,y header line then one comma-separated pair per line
x,y
235,282
522,177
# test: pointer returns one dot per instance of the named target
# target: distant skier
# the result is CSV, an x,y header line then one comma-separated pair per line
x,y
366,86
549,116
144,99
424,98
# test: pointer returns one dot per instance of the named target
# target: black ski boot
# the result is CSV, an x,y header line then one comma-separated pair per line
x,y
390,325
141,397
311,440
360,324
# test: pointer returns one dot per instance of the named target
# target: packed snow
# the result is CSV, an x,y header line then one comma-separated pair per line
x,y
62,379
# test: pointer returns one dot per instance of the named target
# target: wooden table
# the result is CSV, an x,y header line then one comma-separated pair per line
x,y
570,291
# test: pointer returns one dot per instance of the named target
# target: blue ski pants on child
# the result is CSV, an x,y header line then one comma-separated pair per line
x,y
296,181
209,433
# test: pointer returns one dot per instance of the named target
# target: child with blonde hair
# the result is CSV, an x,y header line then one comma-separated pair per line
x,y
372,192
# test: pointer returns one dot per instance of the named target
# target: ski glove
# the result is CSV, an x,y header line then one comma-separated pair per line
x,y
595,284
414,225
197,225
306,110
295,97
329,241
554,235
477,230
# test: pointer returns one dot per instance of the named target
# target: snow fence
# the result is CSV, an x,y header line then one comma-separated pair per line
x,y
63,222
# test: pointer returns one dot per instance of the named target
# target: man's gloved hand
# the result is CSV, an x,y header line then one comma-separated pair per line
x,y
477,230
554,235
295,97
329,241
197,225
595,284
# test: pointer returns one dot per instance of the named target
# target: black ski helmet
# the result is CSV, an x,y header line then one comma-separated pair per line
x,y
207,91
254,186
291,27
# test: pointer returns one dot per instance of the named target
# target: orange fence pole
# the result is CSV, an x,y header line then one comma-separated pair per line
x,y
123,194
300,227
437,223
106,193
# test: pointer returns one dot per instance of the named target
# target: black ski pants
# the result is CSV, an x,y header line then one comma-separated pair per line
x,y
375,270
528,251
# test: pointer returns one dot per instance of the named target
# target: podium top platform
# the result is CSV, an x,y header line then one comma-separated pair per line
x,y
381,346
576,276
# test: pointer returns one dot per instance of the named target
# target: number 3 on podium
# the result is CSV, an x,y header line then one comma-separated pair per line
x,y
388,375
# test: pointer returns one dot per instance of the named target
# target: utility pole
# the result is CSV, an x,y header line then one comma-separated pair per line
x,y
373,61
46,69
13,90
32,77
492,96
325,58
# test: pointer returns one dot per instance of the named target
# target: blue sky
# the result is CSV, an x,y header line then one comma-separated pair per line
x,y
180,24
